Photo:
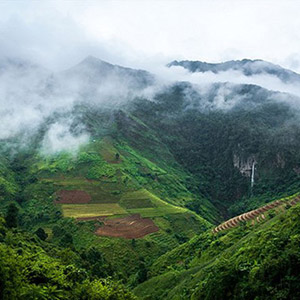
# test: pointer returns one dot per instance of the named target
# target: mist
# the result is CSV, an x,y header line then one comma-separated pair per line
x,y
43,43
33,97
267,81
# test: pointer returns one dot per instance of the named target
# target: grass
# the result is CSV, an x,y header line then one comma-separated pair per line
x,y
150,212
148,205
92,210
132,182
105,202
138,199
100,192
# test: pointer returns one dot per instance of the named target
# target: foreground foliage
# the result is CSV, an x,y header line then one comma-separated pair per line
x,y
32,269
260,262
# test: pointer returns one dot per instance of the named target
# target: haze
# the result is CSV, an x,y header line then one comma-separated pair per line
x,y
148,34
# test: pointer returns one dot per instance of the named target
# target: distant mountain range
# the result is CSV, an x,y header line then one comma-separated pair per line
x,y
246,66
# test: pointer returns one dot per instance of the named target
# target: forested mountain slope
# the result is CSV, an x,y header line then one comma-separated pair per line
x,y
126,177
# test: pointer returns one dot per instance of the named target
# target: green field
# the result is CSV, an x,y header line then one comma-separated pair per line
x,y
148,204
139,202
92,210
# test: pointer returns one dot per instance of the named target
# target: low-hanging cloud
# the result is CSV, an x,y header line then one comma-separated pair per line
x,y
33,99
59,137
267,81
31,95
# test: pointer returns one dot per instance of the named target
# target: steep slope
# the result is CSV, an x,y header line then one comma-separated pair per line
x,y
219,145
8,185
244,263
97,81
110,179
104,167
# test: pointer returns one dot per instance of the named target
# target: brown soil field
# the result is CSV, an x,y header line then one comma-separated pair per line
x,y
131,227
72,197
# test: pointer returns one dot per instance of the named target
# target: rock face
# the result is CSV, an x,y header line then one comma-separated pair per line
x,y
244,165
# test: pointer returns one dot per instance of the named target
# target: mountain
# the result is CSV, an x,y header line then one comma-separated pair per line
x,y
114,182
93,71
246,66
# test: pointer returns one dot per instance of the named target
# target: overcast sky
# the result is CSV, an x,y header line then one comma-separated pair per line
x,y
144,33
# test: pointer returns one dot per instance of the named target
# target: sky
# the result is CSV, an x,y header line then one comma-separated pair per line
x,y
146,34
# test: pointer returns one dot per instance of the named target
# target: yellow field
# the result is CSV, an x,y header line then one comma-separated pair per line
x,y
92,210
140,202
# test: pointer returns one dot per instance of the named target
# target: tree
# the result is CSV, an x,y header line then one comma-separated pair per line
x,y
66,240
142,274
11,217
133,243
41,234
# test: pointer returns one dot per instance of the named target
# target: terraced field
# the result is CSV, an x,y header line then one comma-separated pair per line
x,y
111,179
258,214
131,227
99,201
92,210
148,205
140,202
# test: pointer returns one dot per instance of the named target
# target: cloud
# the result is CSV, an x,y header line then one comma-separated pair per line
x,y
60,138
267,81
59,33
34,100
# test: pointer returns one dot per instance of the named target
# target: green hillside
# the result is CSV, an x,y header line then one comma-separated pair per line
x,y
247,262
119,181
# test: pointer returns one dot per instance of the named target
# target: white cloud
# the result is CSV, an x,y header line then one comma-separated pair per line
x,y
267,81
139,33
59,138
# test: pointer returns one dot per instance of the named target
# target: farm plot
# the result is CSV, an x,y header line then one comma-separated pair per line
x,y
72,197
147,204
130,227
99,192
92,210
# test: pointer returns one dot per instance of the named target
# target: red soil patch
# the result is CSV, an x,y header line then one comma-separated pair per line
x,y
72,197
131,227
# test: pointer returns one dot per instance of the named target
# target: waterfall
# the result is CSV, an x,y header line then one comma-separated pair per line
x,y
252,174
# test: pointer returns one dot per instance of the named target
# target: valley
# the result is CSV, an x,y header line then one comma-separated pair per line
x,y
157,194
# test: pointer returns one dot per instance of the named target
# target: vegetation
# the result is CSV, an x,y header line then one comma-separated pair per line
x,y
178,161
206,141
33,269
259,262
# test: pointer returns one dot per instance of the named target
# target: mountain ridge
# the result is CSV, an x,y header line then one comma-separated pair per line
x,y
247,66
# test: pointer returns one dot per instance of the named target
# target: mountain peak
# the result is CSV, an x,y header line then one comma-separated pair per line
x,y
92,60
